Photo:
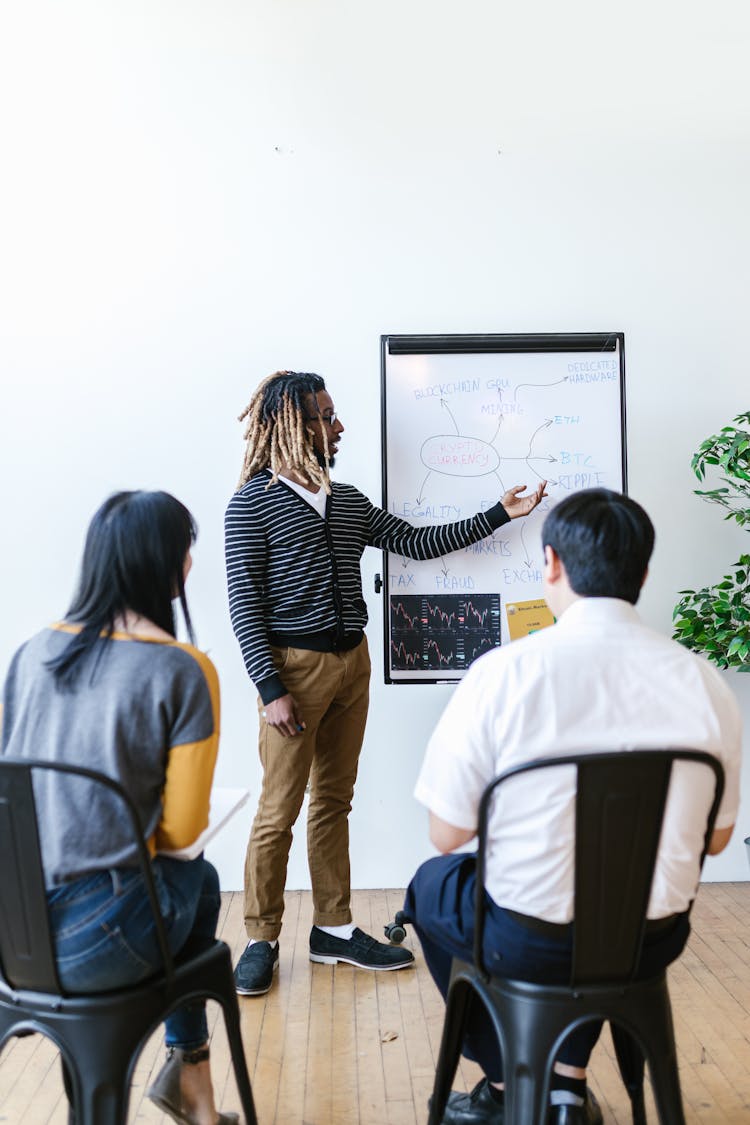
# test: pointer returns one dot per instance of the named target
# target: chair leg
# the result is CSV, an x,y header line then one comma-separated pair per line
x,y
456,1011
667,1094
631,1062
97,1062
239,1063
525,1100
100,1101
69,1094
530,1043
661,1055
665,1080
638,1106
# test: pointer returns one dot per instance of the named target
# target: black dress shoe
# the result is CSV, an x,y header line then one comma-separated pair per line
x,y
360,950
480,1107
588,1113
255,968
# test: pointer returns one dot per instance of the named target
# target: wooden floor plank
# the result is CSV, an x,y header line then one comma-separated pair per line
x,y
282,1027
334,1045
371,1107
39,1086
344,1069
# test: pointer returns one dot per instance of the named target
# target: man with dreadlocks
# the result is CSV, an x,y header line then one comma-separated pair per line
x,y
294,541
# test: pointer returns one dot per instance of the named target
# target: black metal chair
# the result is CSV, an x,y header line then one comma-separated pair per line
x,y
99,1036
618,819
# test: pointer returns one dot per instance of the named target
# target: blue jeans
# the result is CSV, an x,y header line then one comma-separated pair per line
x,y
105,937
440,905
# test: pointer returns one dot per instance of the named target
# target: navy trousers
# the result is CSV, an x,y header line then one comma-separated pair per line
x,y
440,904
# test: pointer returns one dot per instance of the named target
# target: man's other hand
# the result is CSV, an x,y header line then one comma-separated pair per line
x,y
284,715
516,505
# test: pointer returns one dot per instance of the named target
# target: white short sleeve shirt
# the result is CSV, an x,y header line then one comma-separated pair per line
x,y
597,680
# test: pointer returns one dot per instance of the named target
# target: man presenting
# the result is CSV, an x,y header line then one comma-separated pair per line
x,y
597,680
294,540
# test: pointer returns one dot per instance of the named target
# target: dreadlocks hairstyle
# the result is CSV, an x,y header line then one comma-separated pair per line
x,y
277,433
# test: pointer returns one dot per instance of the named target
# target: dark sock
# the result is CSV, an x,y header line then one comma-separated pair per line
x,y
575,1086
497,1095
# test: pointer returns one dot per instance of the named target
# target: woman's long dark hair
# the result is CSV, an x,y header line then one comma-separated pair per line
x,y
133,559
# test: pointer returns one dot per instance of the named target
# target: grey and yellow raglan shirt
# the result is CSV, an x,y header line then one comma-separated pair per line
x,y
146,713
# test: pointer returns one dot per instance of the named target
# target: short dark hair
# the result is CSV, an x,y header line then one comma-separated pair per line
x,y
604,540
133,558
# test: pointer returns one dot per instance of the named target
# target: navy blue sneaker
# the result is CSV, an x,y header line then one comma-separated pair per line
x,y
360,950
255,968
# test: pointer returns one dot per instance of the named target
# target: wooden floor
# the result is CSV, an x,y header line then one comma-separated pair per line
x,y
341,1046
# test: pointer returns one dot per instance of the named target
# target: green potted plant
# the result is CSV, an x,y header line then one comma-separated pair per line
x,y
716,619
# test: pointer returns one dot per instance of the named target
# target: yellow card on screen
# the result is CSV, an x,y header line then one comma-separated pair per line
x,y
527,617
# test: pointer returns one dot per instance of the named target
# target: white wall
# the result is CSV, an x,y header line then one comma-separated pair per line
x,y
196,194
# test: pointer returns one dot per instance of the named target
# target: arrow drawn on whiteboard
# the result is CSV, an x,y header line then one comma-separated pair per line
x,y
404,561
544,426
547,480
445,406
555,384
535,457
526,560
497,431
444,568
420,497
538,457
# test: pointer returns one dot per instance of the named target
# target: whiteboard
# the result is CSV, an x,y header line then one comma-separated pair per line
x,y
464,418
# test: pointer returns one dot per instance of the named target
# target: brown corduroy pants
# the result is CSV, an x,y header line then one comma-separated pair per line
x,y
332,693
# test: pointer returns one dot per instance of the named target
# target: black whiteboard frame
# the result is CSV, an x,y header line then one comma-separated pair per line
x,y
475,345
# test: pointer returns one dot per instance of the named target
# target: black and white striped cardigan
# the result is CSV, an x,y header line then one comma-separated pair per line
x,y
291,572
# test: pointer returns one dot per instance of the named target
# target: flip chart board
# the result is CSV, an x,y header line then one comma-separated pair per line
x,y
464,418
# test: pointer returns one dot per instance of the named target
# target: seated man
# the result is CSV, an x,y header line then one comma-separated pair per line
x,y
597,680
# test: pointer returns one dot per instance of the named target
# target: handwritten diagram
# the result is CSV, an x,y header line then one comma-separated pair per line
x,y
460,430
463,455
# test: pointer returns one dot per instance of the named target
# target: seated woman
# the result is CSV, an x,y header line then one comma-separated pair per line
x,y
110,688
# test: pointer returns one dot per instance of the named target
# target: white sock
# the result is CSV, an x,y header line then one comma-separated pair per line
x,y
255,940
344,932
564,1097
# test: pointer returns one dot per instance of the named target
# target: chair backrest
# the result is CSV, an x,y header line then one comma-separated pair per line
x,y
27,958
620,802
